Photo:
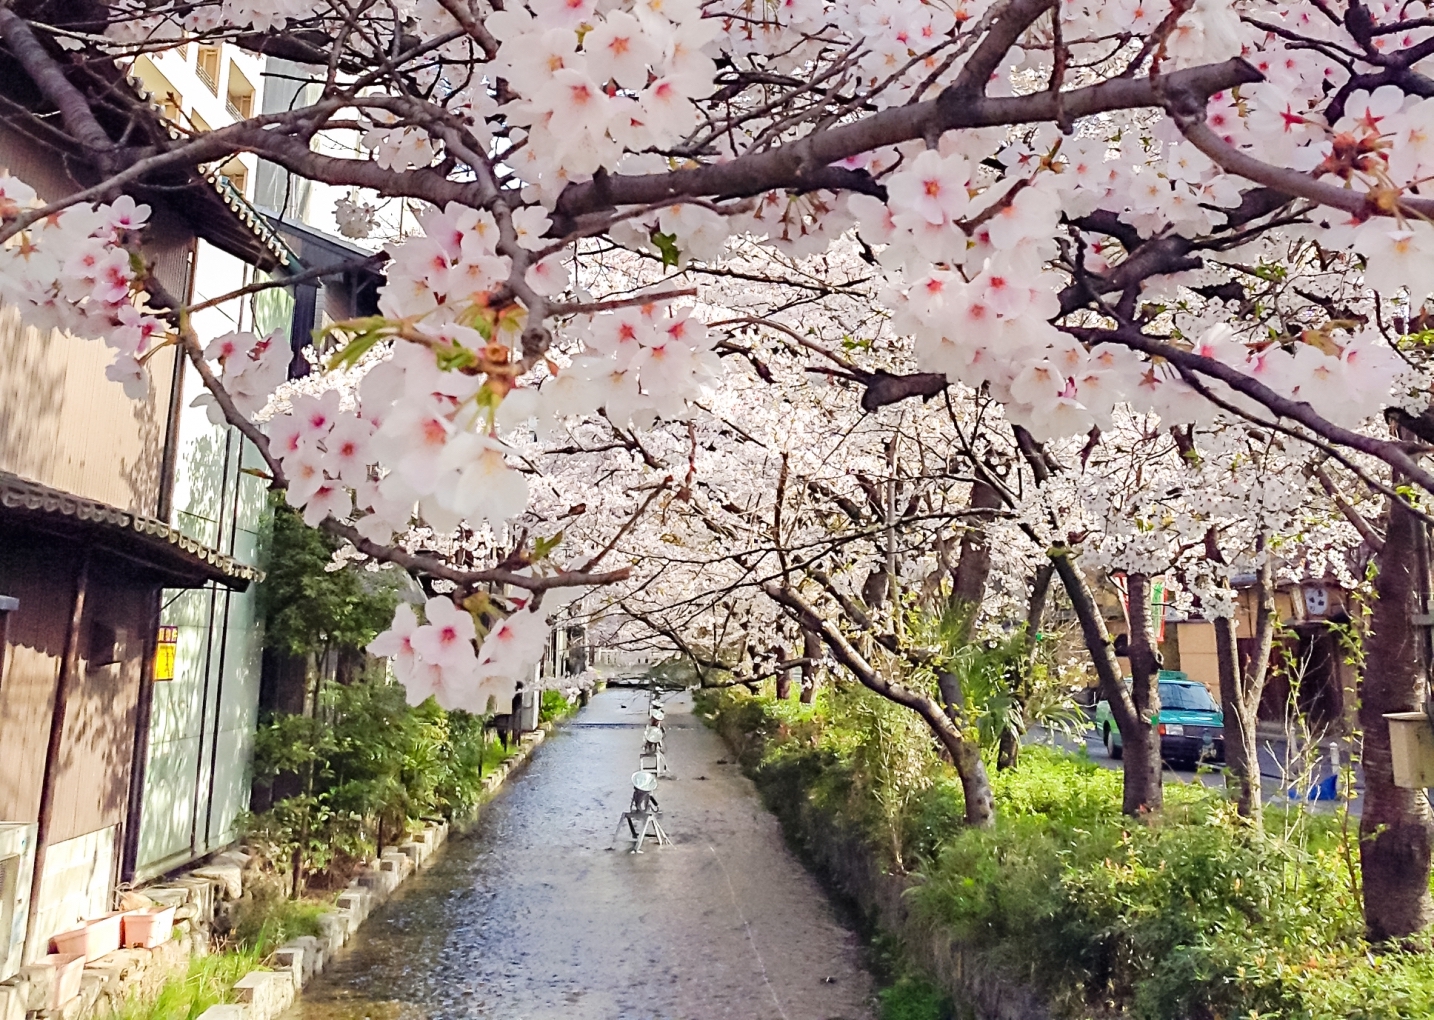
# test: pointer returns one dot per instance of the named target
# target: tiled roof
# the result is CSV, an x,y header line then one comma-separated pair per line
x,y
156,543
232,199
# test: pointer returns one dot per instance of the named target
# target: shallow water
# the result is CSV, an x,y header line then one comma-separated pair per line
x,y
531,917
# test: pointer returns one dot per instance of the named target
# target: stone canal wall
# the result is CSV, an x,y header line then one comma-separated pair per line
x,y
206,898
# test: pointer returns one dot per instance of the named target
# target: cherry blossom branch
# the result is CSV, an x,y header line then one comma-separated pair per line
x,y
588,307
627,526
412,562
418,563
792,165
1362,204
1395,454
1372,538
371,262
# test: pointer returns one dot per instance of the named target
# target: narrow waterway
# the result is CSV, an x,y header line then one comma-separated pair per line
x,y
531,917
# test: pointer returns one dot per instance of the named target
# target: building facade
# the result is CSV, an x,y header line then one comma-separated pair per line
x,y
123,524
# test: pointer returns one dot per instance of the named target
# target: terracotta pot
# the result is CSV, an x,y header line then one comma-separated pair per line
x,y
148,928
97,938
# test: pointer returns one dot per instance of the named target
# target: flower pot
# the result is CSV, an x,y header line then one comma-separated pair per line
x,y
145,929
97,938
68,969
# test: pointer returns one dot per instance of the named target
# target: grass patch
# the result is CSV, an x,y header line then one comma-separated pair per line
x,y
207,981
913,998
265,928
266,920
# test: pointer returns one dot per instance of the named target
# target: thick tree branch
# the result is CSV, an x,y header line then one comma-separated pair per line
x,y
786,165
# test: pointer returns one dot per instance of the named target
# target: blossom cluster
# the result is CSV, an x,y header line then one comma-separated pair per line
x,y
441,657
73,271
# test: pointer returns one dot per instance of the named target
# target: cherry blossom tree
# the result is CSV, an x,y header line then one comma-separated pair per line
x,y
1077,211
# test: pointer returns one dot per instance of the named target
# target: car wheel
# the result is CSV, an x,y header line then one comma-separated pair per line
x,y
1111,747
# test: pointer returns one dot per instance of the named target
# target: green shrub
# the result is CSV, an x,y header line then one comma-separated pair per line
x,y
911,998
554,705
369,766
1192,915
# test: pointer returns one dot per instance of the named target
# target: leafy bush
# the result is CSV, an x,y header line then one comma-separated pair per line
x,y
368,766
1193,915
553,705
911,998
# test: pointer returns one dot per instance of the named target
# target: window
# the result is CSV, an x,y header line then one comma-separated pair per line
x,y
240,99
207,67
198,123
1187,697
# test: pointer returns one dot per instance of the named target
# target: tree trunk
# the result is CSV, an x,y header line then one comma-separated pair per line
x,y
1240,689
1395,826
973,566
965,754
1242,770
811,652
1143,788
1008,751
784,676
1143,793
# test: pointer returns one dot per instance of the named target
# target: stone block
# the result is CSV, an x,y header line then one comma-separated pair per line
x,y
125,964
316,953
356,902
201,896
384,882
167,895
374,881
267,993
290,960
238,858
229,878
415,852
400,864
335,932
234,1011
53,981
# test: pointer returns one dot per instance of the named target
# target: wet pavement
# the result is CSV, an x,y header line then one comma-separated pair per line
x,y
531,917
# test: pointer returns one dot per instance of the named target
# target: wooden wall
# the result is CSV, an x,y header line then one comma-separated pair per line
x,y
62,422
96,754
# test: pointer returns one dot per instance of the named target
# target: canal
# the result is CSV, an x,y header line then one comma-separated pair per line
x,y
531,917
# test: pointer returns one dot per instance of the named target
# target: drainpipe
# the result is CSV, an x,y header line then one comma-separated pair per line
x,y
69,666
214,596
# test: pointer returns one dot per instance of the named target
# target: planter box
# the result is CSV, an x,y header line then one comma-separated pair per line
x,y
97,938
146,929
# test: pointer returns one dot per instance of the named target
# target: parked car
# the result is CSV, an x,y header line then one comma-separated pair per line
x,y
1190,723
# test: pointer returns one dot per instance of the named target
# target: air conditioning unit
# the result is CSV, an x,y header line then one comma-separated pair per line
x,y
17,871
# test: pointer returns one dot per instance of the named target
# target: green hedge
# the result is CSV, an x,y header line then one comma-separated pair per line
x,y
1190,916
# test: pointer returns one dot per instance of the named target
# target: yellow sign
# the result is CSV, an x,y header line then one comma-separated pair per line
x,y
164,651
